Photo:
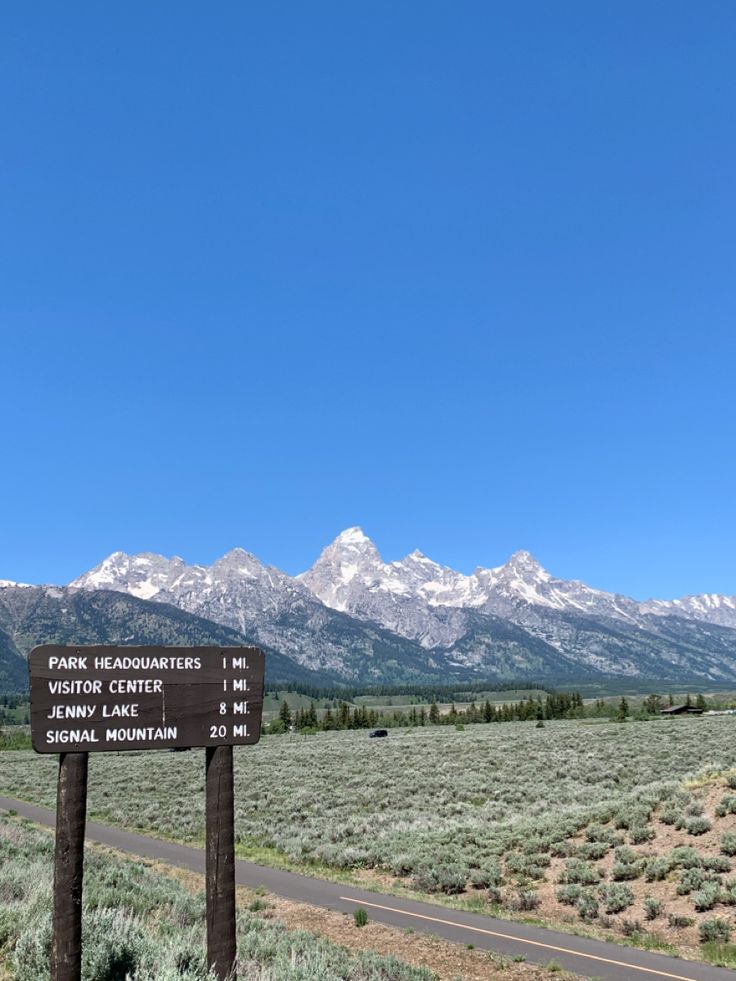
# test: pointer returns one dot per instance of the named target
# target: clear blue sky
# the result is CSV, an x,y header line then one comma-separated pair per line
x,y
460,273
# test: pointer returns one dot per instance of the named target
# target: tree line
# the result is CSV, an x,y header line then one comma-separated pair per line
x,y
344,716
555,705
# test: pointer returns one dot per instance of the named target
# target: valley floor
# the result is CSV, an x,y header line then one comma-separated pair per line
x,y
622,831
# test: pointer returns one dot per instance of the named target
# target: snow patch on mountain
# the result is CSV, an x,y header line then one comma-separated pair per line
x,y
710,607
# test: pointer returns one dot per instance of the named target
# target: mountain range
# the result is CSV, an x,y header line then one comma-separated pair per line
x,y
354,618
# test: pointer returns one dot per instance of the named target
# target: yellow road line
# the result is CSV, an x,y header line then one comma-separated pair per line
x,y
521,940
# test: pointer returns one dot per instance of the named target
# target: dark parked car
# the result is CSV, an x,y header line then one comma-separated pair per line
x,y
377,733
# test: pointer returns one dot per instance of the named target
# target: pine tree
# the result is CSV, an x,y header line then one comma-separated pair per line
x,y
285,713
652,704
434,714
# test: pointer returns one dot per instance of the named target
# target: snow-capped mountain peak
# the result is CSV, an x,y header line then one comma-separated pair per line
x,y
352,536
524,564
236,562
352,547
351,559
143,575
417,556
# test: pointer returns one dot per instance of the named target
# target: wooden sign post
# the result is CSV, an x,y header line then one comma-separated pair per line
x,y
108,699
71,812
220,861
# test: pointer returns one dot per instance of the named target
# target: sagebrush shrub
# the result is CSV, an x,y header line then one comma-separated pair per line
x,y
524,900
580,872
697,825
527,866
494,896
706,897
716,863
641,834
631,928
714,930
625,871
679,922
652,907
656,869
601,833
685,857
442,878
691,879
728,893
587,905
615,897
630,817
570,894
727,805
670,814
593,850
486,878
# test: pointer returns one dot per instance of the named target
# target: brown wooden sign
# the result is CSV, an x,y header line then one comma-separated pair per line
x,y
107,699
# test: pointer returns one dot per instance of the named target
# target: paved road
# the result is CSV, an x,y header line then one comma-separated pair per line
x,y
589,958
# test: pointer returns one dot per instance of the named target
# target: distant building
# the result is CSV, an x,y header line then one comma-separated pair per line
x,y
681,710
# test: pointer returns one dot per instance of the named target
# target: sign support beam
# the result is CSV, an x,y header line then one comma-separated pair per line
x,y
71,814
220,862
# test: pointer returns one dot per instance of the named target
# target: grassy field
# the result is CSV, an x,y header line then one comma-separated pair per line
x,y
598,826
463,698
388,704
273,701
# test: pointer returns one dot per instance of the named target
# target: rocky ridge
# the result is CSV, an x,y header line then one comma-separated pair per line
x,y
360,618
